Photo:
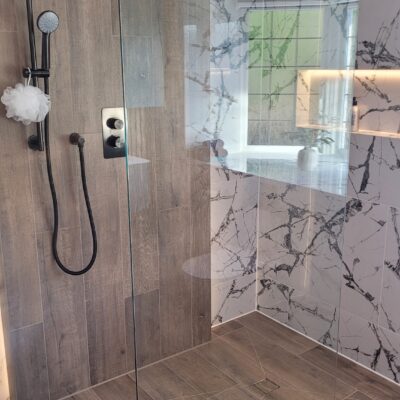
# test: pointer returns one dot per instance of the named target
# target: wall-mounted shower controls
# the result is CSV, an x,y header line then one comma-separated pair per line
x,y
113,132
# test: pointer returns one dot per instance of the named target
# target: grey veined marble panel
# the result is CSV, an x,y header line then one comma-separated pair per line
x,y
300,252
379,32
374,169
362,268
234,204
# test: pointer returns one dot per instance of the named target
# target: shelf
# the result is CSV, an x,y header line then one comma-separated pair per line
x,y
322,127
392,135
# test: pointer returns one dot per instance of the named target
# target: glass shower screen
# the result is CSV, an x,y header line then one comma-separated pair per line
x,y
238,125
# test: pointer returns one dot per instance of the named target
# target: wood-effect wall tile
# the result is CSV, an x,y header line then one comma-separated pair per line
x,y
29,363
6,371
64,315
200,251
144,236
103,184
105,312
8,21
173,186
147,327
175,281
16,212
142,131
104,285
130,335
95,62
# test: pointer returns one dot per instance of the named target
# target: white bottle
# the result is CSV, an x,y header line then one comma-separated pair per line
x,y
355,116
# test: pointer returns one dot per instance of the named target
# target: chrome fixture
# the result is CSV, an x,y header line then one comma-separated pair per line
x,y
113,132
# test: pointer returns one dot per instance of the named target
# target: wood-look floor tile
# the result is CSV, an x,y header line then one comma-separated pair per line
x,y
223,329
378,388
358,396
231,361
161,383
257,391
302,374
336,365
277,334
123,388
243,339
87,395
199,373
292,394
238,393
353,374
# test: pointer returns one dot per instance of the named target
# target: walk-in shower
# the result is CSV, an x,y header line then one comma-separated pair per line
x,y
229,260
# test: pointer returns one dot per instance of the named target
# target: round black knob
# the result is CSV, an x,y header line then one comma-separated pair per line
x,y
115,142
115,123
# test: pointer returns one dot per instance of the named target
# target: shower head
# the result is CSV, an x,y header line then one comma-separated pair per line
x,y
47,22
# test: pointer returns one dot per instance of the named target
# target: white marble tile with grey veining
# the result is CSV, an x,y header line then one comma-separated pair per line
x,y
389,316
283,232
298,310
324,247
363,249
234,205
233,298
365,168
378,34
370,345
300,239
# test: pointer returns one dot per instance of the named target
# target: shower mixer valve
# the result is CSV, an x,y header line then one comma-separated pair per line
x,y
113,132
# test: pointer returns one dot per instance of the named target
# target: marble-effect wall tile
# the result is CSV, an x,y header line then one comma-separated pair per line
x,y
365,167
234,205
364,244
370,345
389,317
299,310
378,34
299,268
283,232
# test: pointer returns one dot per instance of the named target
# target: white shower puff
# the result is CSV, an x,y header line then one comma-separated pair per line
x,y
26,104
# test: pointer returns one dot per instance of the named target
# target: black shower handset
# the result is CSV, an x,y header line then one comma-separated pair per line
x,y
47,23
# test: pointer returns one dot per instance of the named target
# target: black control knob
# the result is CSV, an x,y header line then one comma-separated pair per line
x,y
115,123
115,142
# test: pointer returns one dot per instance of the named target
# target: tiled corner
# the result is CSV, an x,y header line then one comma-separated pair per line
x,y
232,299
300,311
370,345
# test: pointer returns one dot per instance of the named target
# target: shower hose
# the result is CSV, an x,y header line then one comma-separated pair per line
x,y
76,139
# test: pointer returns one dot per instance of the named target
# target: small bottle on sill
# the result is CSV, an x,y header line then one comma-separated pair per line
x,y
355,116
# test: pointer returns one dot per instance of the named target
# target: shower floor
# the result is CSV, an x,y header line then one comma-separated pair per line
x,y
251,358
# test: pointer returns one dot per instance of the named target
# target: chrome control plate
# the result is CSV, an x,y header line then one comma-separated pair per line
x,y
113,121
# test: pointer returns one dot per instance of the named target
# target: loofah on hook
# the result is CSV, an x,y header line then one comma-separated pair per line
x,y
26,103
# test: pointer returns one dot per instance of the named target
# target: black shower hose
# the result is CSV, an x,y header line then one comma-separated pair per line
x,y
79,141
